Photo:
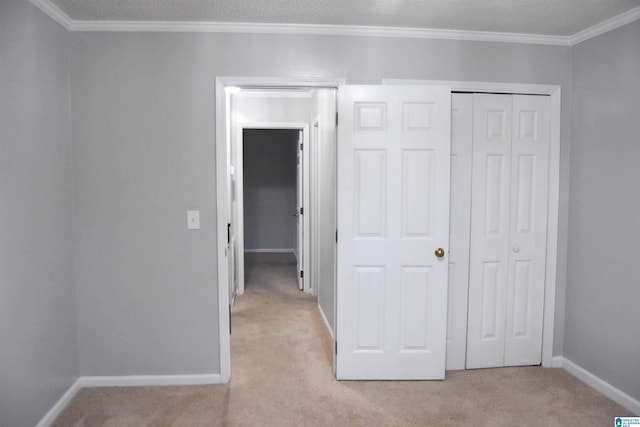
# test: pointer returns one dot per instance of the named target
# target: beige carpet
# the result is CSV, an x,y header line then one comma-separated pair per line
x,y
282,376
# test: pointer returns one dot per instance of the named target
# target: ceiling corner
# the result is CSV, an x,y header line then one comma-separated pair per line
x,y
57,14
605,26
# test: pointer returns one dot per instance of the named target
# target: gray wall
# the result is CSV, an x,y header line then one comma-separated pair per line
x,y
38,341
270,188
603,286
325,103
143,140
143,134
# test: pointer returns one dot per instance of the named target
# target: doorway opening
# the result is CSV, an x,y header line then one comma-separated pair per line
x,y
269,193
275,208
272,197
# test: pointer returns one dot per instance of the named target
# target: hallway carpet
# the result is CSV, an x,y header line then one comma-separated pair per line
x,y
282,376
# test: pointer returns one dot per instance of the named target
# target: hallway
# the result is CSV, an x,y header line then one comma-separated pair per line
x,y
280,349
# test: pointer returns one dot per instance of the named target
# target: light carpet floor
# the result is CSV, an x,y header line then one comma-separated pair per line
x,y
282,376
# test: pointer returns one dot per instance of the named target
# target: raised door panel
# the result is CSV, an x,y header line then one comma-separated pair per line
x,y
369,309
370,193
417,195
416,311
488,259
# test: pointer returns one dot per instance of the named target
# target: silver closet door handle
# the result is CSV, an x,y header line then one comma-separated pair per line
x,y
516,248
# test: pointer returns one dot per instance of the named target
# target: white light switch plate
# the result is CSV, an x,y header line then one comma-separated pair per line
x,y
193,220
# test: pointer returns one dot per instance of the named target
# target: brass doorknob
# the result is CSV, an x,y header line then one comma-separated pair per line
x,y
439,252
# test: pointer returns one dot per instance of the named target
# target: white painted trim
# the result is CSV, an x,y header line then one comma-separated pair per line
x,y
150,380
267,250
326,323
237,218
281,82
51,9
259,93
221,191
490,87
612,392
314,198
273,125
124,381
556,362
553,217
224,309
306,203
59,406
554,92
605,26
55,13
317,29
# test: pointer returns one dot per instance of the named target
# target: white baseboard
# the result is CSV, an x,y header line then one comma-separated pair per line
x,y
149,380
267,250
62,403
556,361
326,322
124,381
613,393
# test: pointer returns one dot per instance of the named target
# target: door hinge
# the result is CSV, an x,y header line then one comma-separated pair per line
x,y
336,236
301,146
228,233
229,319
301,274
335,346
302,211
336,118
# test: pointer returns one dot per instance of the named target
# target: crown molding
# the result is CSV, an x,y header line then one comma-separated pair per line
x,y
606,26
316,29
48,7
54,12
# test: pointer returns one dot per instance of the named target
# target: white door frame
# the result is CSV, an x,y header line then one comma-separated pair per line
x,y
314,217
239,167
554,91
223,120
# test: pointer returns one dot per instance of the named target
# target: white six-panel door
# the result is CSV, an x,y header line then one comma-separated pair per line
x,y
393,213
508,230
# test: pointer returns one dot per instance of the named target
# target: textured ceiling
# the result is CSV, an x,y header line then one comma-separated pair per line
x,y
549,17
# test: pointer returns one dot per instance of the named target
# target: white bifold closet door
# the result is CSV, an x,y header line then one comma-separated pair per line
x,y
508,230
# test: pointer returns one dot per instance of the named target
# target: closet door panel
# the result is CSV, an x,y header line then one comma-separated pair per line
x,y
490,229
528,229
